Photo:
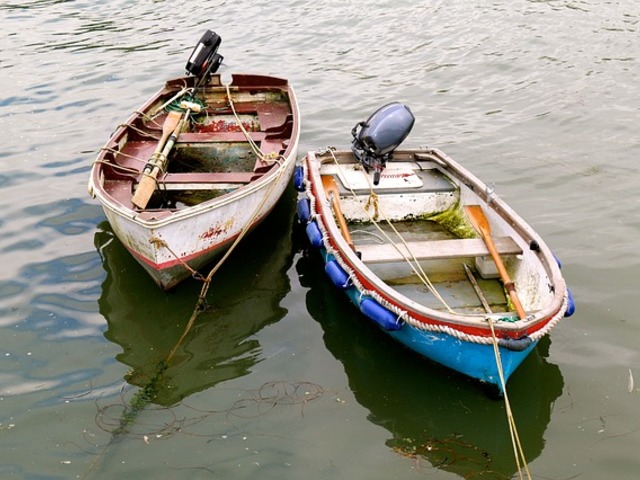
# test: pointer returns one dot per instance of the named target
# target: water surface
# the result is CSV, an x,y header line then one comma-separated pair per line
x,y
279,378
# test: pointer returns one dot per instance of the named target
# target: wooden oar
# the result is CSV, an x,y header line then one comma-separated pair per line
x,y
481,224
476,288
333,194
147,183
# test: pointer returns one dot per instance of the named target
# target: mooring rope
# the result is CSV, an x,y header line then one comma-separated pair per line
x,y
521,461
160,243
201,303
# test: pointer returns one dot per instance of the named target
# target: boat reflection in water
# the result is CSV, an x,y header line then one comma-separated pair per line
x,y
244,297
431,412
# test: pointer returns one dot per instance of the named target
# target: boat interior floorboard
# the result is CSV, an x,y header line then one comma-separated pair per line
x,y
458,294
410,230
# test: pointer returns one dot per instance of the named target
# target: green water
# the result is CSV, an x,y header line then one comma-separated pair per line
x,y
279,377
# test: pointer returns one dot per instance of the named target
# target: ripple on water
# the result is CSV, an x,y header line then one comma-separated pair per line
x,y
72,216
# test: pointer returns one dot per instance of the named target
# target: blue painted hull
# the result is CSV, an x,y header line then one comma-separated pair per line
x,y
472,359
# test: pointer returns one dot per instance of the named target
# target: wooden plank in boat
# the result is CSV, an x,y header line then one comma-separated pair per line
x,y
206,181
437,249
218,137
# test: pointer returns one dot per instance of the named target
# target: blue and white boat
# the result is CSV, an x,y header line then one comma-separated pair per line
x,y
428,252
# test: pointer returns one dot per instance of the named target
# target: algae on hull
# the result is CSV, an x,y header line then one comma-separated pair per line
x,y
453,220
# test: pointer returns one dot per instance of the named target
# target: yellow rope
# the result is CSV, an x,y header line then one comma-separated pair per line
x,y
413,261
513,431
160,243
139,131
273,157
207,280
118,152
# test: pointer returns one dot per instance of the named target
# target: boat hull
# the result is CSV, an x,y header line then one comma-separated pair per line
x,y
166,249
472,359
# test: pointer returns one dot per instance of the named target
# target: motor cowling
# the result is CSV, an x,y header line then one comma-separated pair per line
x,y
375,139
204,59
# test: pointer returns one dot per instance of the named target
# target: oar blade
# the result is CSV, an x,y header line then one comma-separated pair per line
x,y
147,184
481,224
478,219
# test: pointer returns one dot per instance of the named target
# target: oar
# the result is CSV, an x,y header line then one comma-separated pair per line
x,y
147,183
476,287
481,224
333,193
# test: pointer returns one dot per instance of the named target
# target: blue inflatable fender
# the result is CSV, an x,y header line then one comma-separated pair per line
x,y
338,276
383,317
304,210
314,234
298,179
571,306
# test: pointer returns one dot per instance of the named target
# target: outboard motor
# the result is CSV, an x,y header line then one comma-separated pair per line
x,y
204,60
375,140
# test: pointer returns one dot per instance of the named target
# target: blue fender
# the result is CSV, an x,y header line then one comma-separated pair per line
x,y
298,179
557,261
571,306
338,276
515,344
304,210
382,316
314,234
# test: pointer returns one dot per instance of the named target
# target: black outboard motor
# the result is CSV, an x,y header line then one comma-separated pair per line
x,y
380,135
204,59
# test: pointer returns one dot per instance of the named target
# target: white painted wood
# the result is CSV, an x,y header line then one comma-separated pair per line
x,y
435,249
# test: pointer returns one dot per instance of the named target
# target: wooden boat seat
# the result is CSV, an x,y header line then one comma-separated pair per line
x,y
220,137
437,249
268,142
273,117
206,181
